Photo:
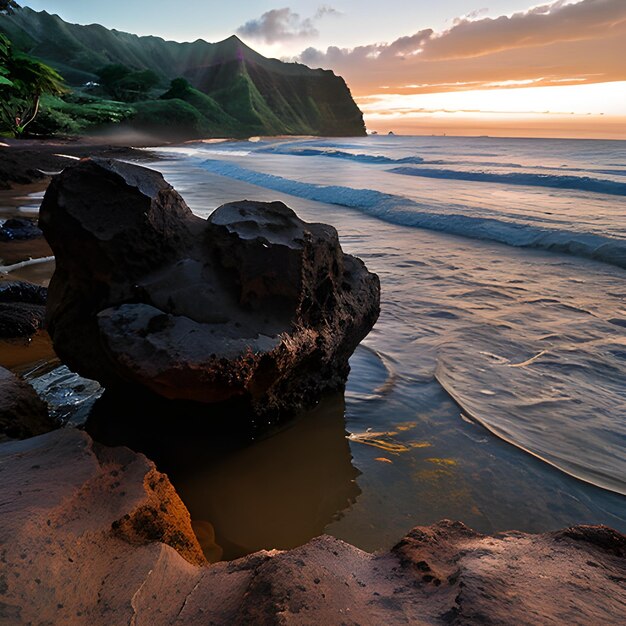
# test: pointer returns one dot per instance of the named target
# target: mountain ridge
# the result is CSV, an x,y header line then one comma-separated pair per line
x,y
265,95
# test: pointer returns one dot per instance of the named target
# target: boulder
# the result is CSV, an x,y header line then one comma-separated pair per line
x,y
22,413
18,228
252,305
22,309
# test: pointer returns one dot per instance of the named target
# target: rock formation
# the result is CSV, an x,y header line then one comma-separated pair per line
x,y
22,413
22,308
94,535
18,228
252,304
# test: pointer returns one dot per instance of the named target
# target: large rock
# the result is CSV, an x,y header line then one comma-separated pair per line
x,y
94,535
252,304
22,413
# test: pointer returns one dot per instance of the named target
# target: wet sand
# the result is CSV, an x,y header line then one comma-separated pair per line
x,y
32,161
24,354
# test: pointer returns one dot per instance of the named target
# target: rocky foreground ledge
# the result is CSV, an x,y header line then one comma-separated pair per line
x,y
94,535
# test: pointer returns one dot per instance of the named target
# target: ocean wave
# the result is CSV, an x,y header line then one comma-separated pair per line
x,y
560,181
405,212
348,156
511,398
557,181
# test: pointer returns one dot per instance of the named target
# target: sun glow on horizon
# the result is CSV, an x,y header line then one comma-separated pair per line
x,y
565,106
589,99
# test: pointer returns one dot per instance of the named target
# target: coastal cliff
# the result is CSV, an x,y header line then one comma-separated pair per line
x,y
232,90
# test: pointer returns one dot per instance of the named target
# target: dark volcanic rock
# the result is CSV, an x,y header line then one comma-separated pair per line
x,y
22,308
21,291
22,413
252,304
18,228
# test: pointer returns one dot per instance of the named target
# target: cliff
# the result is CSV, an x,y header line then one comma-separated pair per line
x,y
247,93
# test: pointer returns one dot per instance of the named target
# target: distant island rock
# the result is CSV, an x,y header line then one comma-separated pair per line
x,y
232,90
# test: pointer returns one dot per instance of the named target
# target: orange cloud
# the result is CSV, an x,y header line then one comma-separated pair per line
x,y
552,44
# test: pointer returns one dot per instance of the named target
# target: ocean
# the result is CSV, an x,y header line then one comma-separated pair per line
x,y
492,390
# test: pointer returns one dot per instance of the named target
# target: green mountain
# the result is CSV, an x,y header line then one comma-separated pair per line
x,y
232,88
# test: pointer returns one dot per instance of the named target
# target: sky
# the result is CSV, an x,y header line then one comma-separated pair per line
x,y
460,67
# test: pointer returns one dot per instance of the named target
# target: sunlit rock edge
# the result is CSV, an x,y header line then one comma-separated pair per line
x,y
97,535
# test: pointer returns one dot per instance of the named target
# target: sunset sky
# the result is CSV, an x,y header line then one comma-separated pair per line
x,y
498,67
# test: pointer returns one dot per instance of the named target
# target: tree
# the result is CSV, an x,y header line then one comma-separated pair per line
x,y
8,6
123,83
110,77
136,85
179,87
23,80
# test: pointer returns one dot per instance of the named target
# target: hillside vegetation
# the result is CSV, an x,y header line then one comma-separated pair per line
x,y
196,89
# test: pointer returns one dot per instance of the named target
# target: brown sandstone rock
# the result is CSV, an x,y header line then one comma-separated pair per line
x,y
73,552
252,304
22,413
69,509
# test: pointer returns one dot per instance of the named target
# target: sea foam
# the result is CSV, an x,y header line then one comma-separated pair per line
x,y
406,212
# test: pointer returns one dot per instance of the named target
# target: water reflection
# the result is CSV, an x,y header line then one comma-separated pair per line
x,y
278,493
26,354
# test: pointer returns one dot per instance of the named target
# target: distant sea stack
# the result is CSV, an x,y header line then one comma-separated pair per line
x,y
244,92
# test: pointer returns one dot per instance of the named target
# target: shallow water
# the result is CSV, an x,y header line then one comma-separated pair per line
x,y
473,334
491,365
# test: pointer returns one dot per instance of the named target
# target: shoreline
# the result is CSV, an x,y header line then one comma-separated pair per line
x,y
141,537
32,161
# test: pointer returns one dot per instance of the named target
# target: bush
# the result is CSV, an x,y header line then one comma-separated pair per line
x,y
169,118
54,122
77,114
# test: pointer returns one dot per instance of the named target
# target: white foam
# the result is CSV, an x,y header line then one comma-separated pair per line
x,y
406,212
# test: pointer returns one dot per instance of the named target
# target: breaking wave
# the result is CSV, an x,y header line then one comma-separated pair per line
x,y
349,156
406,212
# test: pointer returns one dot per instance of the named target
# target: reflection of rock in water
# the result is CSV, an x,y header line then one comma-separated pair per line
x,y
277,491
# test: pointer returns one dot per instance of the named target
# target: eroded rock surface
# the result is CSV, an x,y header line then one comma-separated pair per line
x,y
22,413
251,304
82,542
82,529
22,308
572,576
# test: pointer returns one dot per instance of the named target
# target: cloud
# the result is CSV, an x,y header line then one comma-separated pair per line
x,y
279,25
472,15
548,23
325,10
548,44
